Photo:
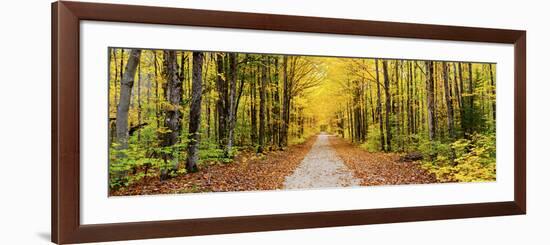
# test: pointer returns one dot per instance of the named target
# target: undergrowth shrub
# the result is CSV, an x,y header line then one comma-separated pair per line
x,y
464,160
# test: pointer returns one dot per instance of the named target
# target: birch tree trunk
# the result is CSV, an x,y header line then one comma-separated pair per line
x,y
449,101
126,85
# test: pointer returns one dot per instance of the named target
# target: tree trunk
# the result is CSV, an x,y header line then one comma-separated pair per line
x,y
117,80
350,122
221,106
388,104
231,106
371,101
449,101
415,101
410,100
253,116
139,100
493,92
430,98
365,111
379,108
469,111
121,72
240,90
276,109
397,103
173,94
458,92
263,85
195,114
471,85
157,89
402,109
208,89
286,105
126,85
112,104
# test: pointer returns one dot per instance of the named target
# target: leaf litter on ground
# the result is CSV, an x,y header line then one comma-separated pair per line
x,y
380,168
249,171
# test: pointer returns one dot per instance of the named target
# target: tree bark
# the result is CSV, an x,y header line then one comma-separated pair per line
x,y
458,92
195,114
221,104
263,85
126,85
493,92
449,101
253,116
157,89
173,94
172,111
471,86
379,108
468,120
117,80
231,112
430,98
410,100
276,109
365,110
398,111
121,71
388,104
139,100
286,105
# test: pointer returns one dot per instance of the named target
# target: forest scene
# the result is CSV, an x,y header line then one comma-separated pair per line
x,y
192,122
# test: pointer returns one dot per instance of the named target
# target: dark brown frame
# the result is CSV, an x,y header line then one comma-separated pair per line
x,y
66,227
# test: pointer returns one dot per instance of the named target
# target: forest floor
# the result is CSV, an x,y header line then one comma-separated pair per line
x,y
379,168
321,168
248,172
320,162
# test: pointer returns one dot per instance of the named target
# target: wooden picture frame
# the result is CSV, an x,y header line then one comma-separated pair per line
x,y
65,175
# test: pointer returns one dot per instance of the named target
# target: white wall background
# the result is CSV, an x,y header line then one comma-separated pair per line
x,y
25,121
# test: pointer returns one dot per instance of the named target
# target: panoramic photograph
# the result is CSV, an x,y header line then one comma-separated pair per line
x,y
199,122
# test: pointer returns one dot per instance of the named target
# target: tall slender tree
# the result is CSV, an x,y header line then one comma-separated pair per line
x,y
126,85
430,99
449,101
493,93
286,105
263,86
388,104
195,114
231,117
172,111
379,108
276,109
222,101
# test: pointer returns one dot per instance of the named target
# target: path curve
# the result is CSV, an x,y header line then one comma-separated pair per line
x,y
321,168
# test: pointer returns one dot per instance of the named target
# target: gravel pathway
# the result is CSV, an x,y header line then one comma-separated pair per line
x,y
321,168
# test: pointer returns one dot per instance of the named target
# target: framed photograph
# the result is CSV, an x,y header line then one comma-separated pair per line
x,y
176,122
